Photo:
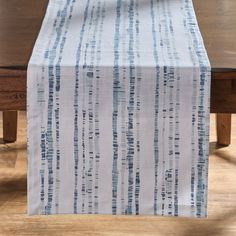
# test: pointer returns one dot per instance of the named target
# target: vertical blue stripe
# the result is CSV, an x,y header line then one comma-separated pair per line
x,y
137,108
97,105
156,107
116,88
76,107
49,134
129,134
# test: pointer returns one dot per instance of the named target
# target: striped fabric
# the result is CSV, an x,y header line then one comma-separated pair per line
x,y
118,110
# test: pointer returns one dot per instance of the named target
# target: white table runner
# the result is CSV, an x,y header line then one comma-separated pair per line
x,y
118,109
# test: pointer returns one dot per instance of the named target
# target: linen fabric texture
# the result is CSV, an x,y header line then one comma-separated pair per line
x,y
118,110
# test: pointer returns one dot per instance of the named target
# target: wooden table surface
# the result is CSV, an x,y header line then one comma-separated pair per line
x,y
20,21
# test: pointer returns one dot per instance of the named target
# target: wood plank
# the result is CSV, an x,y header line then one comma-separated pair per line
x,y
223,75
223,96
215,19
20,21
9,126
223,127
12,80
12,101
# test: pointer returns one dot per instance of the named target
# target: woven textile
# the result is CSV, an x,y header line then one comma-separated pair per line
x,y
118,109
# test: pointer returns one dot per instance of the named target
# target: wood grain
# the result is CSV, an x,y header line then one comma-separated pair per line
x,y
223,127
223,96
12,101
221,219
12,80
20,21
9,126
215,19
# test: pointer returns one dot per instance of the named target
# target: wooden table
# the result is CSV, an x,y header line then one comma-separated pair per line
x,y
20,21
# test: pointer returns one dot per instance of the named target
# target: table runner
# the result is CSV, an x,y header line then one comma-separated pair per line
x,y
118,109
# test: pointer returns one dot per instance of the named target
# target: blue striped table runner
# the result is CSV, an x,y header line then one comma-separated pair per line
x,y
118,110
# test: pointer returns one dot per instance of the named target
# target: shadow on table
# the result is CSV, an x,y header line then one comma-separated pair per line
x,y
214,146
211,227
